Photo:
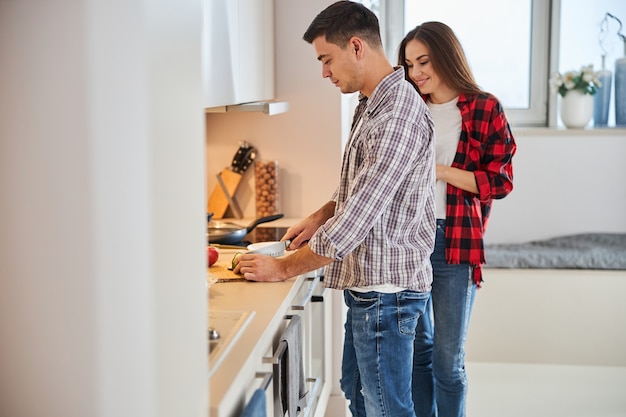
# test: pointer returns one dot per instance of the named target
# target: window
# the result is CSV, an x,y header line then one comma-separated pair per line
x,y
513,46
585,35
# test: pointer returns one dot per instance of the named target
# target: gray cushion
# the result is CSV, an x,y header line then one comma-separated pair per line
x,y
581,251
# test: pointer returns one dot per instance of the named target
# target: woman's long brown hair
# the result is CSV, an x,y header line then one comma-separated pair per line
x,y
445,54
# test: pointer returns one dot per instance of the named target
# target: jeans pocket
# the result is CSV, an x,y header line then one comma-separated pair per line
x,y
365,303
411,305
363,298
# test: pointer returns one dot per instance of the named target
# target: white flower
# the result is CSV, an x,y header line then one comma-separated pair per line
x,y
585,80
555,82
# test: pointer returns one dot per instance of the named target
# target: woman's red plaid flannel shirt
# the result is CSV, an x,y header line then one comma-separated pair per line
x,y
486,147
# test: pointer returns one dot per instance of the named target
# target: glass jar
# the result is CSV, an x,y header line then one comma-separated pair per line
x,y
267,188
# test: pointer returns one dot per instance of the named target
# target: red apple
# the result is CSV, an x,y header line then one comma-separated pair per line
x,y
212,255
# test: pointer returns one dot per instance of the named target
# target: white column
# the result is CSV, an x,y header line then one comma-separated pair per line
x,y
102,298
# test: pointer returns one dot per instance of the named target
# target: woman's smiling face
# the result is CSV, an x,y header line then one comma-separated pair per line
x,y
421,72
419,67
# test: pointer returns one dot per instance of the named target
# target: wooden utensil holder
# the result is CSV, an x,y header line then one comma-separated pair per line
x,y
223,195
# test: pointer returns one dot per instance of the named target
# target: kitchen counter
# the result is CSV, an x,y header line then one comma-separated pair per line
x,y
230,384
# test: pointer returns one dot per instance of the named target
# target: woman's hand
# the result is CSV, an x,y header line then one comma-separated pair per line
x,y
459,178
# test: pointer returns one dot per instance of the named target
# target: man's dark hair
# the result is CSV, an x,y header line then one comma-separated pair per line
x,y
342,20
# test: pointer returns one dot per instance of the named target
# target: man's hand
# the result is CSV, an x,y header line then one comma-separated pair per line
x,y
300,233
256,267
262,268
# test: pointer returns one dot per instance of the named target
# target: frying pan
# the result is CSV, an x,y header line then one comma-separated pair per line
x,y
228,233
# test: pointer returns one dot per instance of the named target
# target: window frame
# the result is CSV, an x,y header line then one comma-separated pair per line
x,y
544,40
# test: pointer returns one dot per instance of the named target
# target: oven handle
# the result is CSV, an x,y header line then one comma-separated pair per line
x,y
278,355
280,349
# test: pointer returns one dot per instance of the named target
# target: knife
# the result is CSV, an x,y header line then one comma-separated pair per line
x,y
275,249
243,158
222,280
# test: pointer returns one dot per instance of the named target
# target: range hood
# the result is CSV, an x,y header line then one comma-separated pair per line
x,y
268,107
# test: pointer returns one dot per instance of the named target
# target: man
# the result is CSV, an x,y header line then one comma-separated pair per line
x,y
377,233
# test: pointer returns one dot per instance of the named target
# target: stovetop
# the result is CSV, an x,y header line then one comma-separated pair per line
x,y
263,234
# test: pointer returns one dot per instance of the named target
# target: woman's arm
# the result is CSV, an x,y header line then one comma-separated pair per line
x,y
459,178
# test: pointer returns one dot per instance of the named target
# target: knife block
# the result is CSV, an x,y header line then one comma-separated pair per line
x,y
218,201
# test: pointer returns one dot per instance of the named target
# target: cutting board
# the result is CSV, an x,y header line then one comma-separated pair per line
x,y
220,270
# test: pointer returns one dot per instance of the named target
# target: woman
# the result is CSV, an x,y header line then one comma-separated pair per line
x,y
474,148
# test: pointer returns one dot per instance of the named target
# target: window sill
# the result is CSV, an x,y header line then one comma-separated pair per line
x,y
562,131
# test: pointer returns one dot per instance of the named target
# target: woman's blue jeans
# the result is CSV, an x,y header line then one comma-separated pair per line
x,y
439,379
378,352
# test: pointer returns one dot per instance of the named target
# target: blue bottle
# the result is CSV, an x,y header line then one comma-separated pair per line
x,y
602,99
620,89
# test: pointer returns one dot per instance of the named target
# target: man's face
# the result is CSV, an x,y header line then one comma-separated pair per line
x,y
339,65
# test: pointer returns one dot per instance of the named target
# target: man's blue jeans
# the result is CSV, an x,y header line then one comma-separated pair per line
x,y
439,379
378,352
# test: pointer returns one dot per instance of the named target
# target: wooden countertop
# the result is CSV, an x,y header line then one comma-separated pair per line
x,y
269,301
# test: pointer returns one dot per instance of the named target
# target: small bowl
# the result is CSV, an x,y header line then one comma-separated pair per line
x,y
274,249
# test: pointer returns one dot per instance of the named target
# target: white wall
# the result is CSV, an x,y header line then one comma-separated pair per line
x,y
102,299
565,182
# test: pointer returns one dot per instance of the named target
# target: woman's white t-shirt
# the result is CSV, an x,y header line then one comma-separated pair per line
x,y
447,120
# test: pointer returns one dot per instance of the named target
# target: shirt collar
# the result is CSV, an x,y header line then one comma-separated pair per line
x,y
383,87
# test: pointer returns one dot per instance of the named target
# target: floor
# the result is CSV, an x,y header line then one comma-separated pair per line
x,y
529,390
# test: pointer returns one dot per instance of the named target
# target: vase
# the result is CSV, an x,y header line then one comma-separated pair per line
x,y
602,99
576,109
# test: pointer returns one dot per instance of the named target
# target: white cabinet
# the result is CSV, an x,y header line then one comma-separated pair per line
x,y
254,360
238,51
313,306
251,361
